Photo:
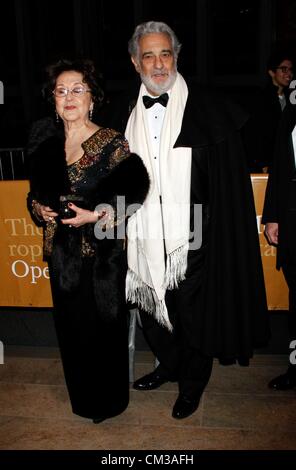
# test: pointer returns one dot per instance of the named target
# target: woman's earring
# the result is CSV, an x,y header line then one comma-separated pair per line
x,y
57,117
90,113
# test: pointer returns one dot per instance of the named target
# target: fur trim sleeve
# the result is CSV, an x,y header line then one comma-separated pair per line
x,y
48,172
122,191
129,179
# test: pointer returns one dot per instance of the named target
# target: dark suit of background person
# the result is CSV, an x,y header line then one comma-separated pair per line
x,y
279,215
219,310
76,158
265,112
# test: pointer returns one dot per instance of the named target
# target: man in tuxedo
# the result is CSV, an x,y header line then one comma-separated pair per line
x,y
266,112
198,284
279,217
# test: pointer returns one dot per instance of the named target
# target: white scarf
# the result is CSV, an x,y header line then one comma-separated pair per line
x,y
158,234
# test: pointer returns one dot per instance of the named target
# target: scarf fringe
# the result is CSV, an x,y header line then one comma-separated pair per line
x,y
176,267
141,294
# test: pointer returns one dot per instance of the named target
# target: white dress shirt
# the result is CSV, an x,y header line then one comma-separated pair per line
x,y
294,143
155,117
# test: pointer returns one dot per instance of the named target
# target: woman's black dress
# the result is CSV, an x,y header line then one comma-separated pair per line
x,y
88,274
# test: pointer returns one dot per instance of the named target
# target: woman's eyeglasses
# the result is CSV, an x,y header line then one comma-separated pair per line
x,y
77,91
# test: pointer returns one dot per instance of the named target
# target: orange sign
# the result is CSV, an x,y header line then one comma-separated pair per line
x,y
276,287
24,276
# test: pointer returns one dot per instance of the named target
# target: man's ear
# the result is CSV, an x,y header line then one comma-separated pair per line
x,y
136,64
271,73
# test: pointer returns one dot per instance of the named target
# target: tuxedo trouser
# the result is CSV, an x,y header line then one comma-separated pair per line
x,y
289,270
179,359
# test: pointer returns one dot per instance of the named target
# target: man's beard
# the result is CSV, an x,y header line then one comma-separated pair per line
x,y
159,88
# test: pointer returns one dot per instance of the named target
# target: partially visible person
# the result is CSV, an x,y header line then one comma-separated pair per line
x,y
279,217
197,280
76,166
261,129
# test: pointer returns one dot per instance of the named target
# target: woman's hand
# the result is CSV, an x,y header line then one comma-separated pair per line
x,y
83,216
43,212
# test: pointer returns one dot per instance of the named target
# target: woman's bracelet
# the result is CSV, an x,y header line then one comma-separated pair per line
x,y
34,210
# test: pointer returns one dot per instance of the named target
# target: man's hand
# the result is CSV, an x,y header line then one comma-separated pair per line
x,y
271,232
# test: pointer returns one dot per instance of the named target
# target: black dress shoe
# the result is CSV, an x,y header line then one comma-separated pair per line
x,y
98,420
285,381
150,381
185,406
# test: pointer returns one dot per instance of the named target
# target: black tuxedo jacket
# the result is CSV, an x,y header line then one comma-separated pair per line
x,y
280,197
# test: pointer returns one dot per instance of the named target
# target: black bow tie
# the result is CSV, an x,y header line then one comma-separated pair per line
x,y
162,99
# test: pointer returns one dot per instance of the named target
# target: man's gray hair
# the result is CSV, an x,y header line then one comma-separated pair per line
x,y
152,27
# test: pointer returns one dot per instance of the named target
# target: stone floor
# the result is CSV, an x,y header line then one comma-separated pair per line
x,y
237,411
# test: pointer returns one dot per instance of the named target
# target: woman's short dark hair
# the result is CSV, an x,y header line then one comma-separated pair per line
x,y
84,66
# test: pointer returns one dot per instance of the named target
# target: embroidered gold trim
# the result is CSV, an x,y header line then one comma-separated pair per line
x,y
49,234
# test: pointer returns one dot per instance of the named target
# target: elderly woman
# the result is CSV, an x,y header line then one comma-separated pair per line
x,y
74,169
